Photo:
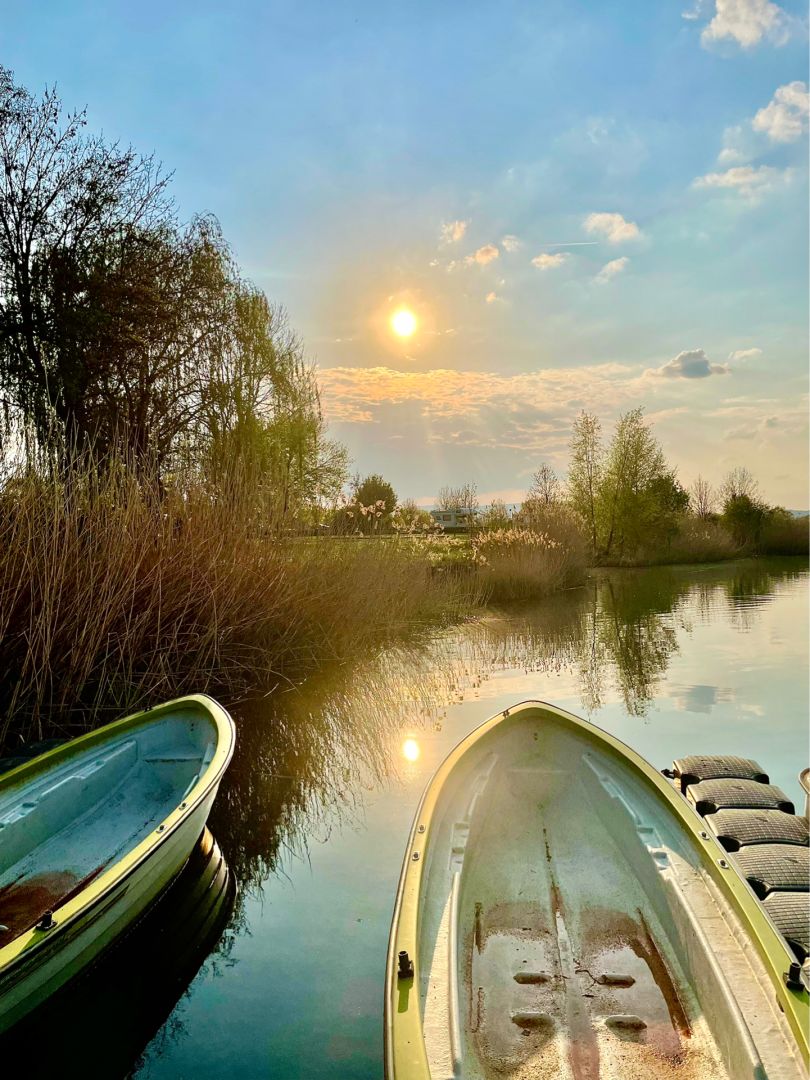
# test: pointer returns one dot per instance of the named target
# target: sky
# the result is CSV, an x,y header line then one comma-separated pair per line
x,y
584,204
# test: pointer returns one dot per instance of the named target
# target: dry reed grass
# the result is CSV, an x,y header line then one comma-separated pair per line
x,y
112,599
521,563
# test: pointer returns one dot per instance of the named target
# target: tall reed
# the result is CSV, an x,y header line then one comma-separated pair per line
x,y
113,597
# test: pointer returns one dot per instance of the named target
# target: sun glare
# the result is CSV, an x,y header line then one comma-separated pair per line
x,y
410,749
403,322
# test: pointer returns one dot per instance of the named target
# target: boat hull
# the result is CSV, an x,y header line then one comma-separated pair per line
x,y
562,912
90,918
27,984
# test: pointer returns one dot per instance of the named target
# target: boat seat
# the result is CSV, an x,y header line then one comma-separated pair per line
x,y
772,867
712,795
697,767
790,911
739,828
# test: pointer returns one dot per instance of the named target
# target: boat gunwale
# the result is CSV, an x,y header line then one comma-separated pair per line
x,y
405,1055
28,944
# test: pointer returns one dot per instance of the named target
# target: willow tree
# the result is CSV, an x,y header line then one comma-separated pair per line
x,y
261,420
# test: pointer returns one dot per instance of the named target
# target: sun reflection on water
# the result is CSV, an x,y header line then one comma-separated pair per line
x,y
410,750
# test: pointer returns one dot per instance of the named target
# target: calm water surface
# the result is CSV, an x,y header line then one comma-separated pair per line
x,y
314,817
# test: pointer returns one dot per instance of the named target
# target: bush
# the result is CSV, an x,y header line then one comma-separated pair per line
x,y
784,534
696,540
745,517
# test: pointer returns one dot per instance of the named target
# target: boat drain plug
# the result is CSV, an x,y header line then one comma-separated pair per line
x,y
405,966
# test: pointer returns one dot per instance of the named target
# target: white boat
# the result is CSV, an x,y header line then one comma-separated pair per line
x,y
564,912
92,832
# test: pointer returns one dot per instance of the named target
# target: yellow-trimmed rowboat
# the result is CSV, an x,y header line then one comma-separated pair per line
x,y
564,912
92,832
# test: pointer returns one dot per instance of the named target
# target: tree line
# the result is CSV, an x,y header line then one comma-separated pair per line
x,y
622,497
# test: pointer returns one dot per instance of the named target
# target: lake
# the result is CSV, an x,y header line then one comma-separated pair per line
x,y
314,815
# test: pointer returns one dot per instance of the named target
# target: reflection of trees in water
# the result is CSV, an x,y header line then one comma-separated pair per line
x,y
305,757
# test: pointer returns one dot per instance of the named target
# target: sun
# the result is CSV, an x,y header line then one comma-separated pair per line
x,y
403,322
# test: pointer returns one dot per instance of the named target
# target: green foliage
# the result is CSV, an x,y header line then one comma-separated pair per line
x,y
784,534
628,497
373,489
585,472
370,508
745,518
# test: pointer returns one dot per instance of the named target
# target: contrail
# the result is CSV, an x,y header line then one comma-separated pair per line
x,y
574,243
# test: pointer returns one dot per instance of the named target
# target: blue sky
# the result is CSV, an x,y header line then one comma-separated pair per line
x,y
585,204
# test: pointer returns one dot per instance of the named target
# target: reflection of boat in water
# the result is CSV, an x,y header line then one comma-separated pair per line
x,y
99,1024
563,911
92,832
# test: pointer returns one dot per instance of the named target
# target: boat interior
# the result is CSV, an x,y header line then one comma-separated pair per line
x,y
64,824
567,930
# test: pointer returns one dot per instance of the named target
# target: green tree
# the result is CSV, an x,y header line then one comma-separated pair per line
x,y
585,472
745,517
372,504
639,497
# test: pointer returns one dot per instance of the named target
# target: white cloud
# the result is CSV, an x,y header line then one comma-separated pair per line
x,y
544,261
689,364
452,231
511,243
747,22
745,354
739,145
491,297
484,255
747,180
613,227
611,269
785,118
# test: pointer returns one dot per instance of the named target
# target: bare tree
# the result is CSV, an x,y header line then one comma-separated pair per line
x,y
738,483
460,498
545,486
63,196
702,498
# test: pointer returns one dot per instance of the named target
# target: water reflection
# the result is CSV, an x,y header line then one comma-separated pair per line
x,y
311,931
306,757
323,755
99,1024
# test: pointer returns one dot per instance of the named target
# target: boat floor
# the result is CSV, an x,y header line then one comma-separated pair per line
x,y
79,824
564,967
